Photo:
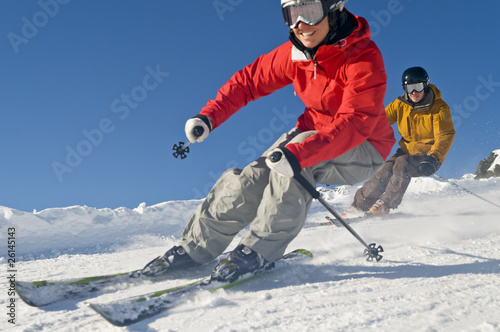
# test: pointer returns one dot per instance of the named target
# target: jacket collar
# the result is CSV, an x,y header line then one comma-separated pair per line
x,y
432,94
348,24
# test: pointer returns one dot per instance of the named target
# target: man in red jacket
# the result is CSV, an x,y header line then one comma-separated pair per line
x,y
343,137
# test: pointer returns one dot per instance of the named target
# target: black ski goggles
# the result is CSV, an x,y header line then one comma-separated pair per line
x,y
418,87
309,12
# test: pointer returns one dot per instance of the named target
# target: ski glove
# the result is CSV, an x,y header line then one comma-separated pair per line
x,y
197,128
428,166
283,162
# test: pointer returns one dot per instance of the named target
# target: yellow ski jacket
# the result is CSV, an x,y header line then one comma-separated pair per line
x,y
425,128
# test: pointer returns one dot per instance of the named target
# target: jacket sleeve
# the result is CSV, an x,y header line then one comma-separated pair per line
x,y
392,112
361,111
444,132
267,74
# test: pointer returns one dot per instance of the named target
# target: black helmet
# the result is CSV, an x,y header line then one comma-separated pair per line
x,y
415,75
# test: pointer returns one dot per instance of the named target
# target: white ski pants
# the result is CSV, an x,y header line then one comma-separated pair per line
x,y
273,206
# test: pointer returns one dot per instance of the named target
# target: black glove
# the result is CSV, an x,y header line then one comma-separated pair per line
x,y
428,166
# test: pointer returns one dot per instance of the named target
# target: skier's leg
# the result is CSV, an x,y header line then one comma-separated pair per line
x,y
280,216
405,167
354,166
373,189
229,207
285,202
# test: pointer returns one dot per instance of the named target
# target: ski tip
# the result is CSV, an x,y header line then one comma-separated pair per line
x,y
26,292
304,252
28,301
98,309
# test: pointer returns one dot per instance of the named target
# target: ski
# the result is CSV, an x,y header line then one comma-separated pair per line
x,y
334,222
45,292
134,309
394,215
337,223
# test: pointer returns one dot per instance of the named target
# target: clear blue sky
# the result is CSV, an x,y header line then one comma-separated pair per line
x,y
95,93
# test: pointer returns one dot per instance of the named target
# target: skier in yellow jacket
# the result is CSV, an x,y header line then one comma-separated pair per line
x,y
427,132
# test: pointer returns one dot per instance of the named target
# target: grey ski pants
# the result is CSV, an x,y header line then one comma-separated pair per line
x,y
273,206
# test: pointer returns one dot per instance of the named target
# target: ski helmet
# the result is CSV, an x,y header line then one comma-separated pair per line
x,y
412,76
308,11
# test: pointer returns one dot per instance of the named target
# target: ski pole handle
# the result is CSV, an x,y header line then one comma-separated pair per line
x,y
276,156
198,131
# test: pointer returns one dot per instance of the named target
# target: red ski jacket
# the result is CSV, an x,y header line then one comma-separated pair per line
x,y
342,87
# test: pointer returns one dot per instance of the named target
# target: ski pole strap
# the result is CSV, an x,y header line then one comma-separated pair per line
x,y
307,185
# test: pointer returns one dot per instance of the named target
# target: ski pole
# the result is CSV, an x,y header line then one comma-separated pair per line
x,y
464,189
372,251
181,149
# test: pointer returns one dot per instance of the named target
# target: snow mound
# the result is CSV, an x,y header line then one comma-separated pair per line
x,y
83,229
496,161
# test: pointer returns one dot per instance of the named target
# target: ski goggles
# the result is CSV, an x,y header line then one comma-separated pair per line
x,y
309,12
418,87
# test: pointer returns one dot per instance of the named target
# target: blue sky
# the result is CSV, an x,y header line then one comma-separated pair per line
x,y
95,93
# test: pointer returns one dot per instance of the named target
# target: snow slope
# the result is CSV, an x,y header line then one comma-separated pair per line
x,y
440,271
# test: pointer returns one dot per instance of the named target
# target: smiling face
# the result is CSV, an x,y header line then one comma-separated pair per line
x,y
312,35
416,96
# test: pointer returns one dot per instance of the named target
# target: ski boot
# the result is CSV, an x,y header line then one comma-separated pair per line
x,y
352,212
240,261
174,259
378,209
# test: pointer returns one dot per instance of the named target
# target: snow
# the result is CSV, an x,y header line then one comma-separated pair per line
x,y
440,271
496,161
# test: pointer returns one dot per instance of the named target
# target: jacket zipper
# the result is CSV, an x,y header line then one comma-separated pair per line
x,y
315,66
340,43
409,128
